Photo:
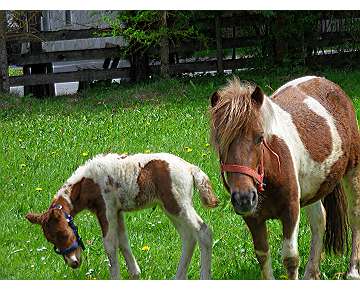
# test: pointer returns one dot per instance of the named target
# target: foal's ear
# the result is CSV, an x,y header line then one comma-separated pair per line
x,y
75,190
34,218
258,96
214,99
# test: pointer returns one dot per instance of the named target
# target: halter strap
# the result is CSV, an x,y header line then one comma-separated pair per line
x,y
257,175
77,243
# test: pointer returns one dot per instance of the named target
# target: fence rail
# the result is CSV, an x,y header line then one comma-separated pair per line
x,y
224,35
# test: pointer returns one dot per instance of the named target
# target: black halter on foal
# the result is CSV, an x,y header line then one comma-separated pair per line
x,y
78,243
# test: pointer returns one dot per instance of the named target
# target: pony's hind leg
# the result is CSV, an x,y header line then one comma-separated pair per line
x,y
133,267
317,219
352,186
259,234
188,244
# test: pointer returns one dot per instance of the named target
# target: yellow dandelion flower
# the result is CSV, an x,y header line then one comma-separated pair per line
x,y
85,154
38,189
147,151
22,165
188,149
207,144
145,248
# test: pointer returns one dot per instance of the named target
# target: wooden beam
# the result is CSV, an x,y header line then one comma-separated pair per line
x,y
219,49
84,75
46,57
64,34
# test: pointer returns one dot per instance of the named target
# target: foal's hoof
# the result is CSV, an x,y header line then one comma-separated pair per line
x,y
312,275
135,276
353,275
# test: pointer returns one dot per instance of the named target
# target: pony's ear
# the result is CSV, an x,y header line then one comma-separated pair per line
x,y
258,96
34,218
214,99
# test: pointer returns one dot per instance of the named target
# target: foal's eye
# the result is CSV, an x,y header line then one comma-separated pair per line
x,y
259,139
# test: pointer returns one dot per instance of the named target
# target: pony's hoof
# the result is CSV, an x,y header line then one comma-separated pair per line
x,y
353,275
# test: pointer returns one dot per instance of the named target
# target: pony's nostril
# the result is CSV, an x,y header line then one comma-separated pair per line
x,y
253,199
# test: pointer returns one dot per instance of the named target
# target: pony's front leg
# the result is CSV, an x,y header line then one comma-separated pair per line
x,y
290,220
259,234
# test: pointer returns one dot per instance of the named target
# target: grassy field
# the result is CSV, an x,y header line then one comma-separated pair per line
x,y
43,141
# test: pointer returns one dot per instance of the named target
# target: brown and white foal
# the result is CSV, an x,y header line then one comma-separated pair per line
x,y
111,184
296,148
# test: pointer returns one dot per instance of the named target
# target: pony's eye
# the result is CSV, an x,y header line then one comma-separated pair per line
x,y
259,139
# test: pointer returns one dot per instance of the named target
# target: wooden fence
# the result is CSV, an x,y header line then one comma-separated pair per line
x,y
227,29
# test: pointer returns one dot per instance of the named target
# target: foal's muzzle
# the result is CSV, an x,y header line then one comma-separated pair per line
x,y
244,202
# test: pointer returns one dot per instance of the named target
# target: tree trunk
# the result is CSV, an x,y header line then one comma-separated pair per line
x,y
4,74
164,50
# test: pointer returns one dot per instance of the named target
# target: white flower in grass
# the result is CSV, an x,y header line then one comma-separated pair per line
x,y
43,258
41,249
88,273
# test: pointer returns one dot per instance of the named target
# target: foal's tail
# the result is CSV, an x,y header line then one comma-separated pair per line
x,y
336,233
202,183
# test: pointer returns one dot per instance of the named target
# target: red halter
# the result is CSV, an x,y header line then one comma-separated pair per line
x,y
258,175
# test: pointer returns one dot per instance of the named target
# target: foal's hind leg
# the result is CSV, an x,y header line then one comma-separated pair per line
x,y
188,245
317,219
352,185
193,223
130,260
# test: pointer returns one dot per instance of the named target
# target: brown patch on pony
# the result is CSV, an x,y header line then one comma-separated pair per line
x,y
281,188
87,194
336,233
313,129
155,183
233,113
335,100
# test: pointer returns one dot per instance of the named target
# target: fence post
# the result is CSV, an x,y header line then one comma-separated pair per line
x,y
39,91
4,74
219,50
164,49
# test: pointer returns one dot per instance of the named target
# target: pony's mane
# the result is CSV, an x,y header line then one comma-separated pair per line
x,y
233,113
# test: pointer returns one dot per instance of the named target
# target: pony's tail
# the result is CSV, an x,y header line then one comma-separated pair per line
x,y
336,233
202,183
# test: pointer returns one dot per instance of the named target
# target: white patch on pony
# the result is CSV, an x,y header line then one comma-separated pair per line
x,y
294,83
71,259
309,173
324,168
290,246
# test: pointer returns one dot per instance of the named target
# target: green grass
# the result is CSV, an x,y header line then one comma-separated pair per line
x,y
15,71
43,141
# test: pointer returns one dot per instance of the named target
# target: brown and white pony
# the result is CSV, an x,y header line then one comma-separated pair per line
x,y
112,184
296,148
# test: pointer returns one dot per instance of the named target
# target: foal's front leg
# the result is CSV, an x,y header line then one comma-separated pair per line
x,y
259,234
290,220
111,243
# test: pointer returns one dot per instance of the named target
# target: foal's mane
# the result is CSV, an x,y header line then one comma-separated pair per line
x,y
233,114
